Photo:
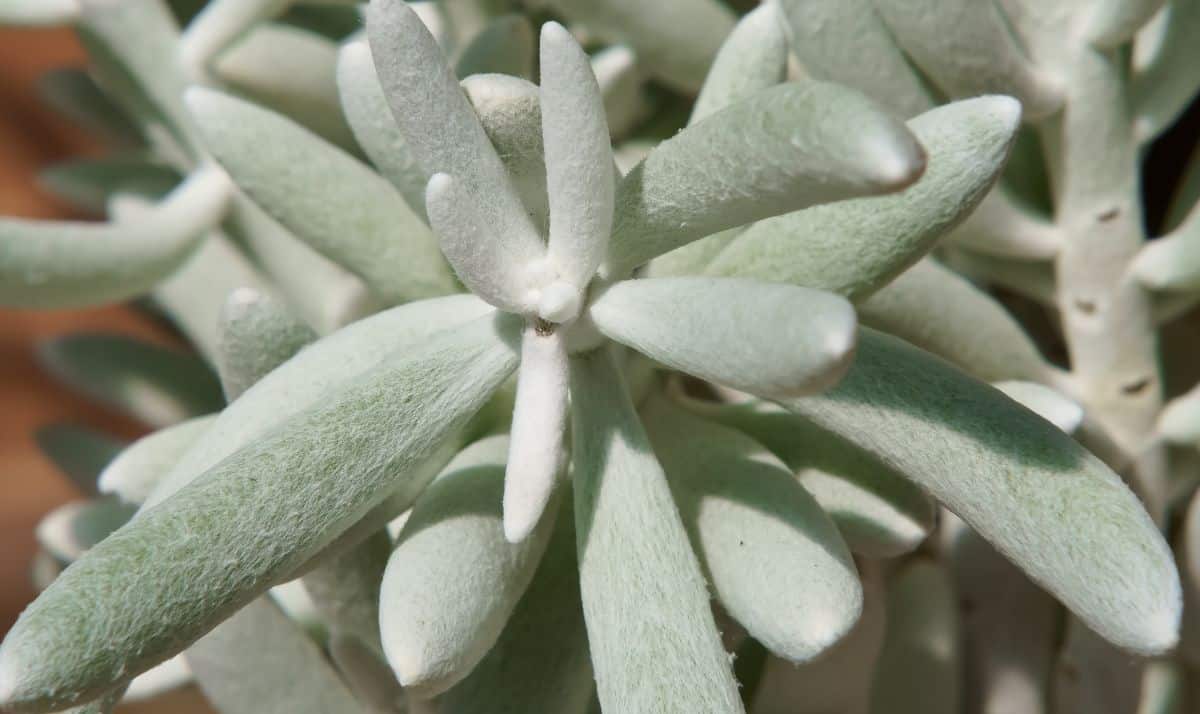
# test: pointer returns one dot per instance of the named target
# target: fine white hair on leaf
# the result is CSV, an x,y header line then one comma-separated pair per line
x,y
539,417
579,159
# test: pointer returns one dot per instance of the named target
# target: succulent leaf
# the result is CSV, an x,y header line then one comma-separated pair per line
x,y
132,475
258,334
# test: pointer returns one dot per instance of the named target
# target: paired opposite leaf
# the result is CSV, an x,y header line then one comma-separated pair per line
x,y
1043,501
249,522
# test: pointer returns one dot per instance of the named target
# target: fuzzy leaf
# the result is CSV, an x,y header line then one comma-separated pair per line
x,y
38,13
90,183
1000,226
249,522
1179,421
1188,547
967,48
1046,403
855,247
786,148
159,680
70,530
156,385
774,559
1047,504
1173,261
845,41
258,334
218,25
1113,22
295,176
367,111
760,338
79,452
72,264
261,661
623,88
664,655
505,46
345,591
132,475
879,512
453,579
579,158
73,93
752,58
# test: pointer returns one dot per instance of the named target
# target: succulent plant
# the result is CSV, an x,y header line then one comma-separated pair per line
x,y
547,403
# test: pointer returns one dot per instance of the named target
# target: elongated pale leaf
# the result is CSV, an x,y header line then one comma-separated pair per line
x,y
132,475
454,579
540,662
158,680
505,46
939,311
579,158
1160,91
774,559
855,247
79,452
845,41
538,422
879,513
1164,688
918,668
664,655
292,71
1049,506
370,118
345,591
259,662
296,177
90,183
1112,22
37,13
249,522
217,26
437,122
157,385
1179,422
1173,261
967,48
1045,402
303,382
675,39
786,148
70,264
760,338
752,58
1000,226
1034,279
73,93
70,530
623,88
258,334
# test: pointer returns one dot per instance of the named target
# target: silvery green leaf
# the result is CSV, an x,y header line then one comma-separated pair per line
x,y
158,680
438,124
79,452
192,296
622,86
73,93
36,13
453,579
752,58
72,264
786,148
880,513
1001,226
251,521
579,158
295,176
324,294
761,338
132,475
1179,421
1160,90
370,118
505,46
845,41
774,559
70,530
918,668
303,382
693,258
156,385
1188,548
1008,624
675,40
540,662
293,72
509,109
839,680
1033,279
345,591
1172,262
1112,22
937,310
261,662
1164,688
968,48
90,183
1017,480
217,26
1047,403
258,333
664,655
855,247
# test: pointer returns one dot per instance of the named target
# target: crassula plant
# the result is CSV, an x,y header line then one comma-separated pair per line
x,y
671,382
